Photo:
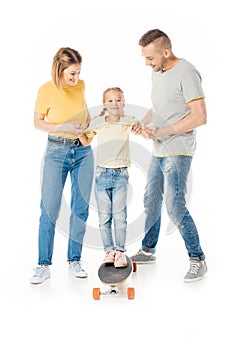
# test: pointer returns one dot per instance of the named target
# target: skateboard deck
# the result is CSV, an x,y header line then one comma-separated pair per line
x,y
115,277
109,274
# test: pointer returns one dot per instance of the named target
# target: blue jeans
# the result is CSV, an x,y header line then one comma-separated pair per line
x,y
170,175
61,159
111,195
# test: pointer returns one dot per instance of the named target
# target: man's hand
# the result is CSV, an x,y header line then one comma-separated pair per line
x,y
153,132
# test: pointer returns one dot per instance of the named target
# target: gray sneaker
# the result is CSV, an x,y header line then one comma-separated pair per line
x,y
142,257
41,273
77,270
196,272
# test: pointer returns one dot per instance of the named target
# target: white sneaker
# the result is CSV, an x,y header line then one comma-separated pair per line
x,y
77,270
41,273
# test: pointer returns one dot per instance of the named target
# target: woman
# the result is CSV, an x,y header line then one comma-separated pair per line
x,y
61,111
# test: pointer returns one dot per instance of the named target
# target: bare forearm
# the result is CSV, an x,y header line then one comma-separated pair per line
x,y
137,129
42,124
148,117
45,126
189,123
196,118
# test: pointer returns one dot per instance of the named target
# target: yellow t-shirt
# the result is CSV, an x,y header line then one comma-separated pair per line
x,y
113,141
61,107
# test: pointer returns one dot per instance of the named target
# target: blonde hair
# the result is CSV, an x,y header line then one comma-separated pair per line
x,y
62,60
112,89
104,95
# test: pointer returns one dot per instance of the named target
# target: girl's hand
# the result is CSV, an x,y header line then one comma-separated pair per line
x,y
138,128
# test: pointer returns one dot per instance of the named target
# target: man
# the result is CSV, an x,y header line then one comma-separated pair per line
x,y
178,109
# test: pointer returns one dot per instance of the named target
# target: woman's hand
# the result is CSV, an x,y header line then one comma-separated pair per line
x,y
72,127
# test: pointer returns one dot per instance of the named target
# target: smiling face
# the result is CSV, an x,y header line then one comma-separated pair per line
x,y
114,102
71,74
155,56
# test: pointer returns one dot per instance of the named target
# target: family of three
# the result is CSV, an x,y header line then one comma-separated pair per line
x,y
178,108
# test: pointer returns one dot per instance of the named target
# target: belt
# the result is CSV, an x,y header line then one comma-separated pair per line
x,y
112,169
73,142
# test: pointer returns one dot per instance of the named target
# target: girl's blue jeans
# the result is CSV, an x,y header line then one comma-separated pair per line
x,y
111,195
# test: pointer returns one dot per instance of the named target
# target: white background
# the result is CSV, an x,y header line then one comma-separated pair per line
x,y
166,313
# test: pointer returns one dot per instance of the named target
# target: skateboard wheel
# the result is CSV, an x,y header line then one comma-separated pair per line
x,y
134,266
96,293
131,293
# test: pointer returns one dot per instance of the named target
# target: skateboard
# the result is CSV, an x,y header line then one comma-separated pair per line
x,y
115,277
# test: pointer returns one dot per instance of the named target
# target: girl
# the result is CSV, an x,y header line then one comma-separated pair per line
x,y
111,179
61,111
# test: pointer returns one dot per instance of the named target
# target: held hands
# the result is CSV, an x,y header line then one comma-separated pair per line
x,y
153,132
72,127
150,132
137,128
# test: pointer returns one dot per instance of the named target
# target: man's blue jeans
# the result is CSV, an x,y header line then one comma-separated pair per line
x,y
169,175
111,196
61,159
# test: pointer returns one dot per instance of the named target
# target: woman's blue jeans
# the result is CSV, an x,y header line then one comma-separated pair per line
x,y
61,159
111,187
169,175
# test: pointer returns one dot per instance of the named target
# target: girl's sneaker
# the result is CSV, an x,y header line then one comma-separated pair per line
x,y
120,259
110,257
41,273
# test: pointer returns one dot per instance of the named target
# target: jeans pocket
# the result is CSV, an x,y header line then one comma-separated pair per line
x,y
54,146
124,172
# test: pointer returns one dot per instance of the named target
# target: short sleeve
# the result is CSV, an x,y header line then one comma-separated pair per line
x,y
192,85
42,102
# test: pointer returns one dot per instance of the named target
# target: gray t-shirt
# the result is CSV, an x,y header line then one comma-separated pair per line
x,y
171,92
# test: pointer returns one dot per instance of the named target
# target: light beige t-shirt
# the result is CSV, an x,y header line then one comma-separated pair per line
x,y
113,140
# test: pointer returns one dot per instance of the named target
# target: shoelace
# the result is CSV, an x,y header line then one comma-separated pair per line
x,y
140,251
194,267
38,271
77,265
118,256
109,252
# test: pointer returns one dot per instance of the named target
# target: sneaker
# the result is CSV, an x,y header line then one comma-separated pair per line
x,y
142,257
76,269
110,257
41,273
196,272
120,259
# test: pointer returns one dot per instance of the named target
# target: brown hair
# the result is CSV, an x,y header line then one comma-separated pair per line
x,y
153,35
62,60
